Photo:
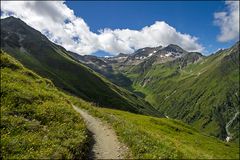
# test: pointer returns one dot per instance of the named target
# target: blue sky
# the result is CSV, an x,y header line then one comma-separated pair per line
x,y
113,27
195,18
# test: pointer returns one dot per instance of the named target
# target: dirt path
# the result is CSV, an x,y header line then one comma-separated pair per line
x,y
106,144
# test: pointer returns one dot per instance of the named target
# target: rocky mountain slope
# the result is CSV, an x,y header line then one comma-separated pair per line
x,y
112,67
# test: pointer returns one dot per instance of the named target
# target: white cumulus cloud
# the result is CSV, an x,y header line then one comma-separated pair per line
x,y
228,21
59,23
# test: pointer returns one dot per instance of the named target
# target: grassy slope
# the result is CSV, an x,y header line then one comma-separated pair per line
x,y
38,122
150,137
36,119
204,94
53,62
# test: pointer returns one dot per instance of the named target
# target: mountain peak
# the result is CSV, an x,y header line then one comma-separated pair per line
x,y
148,48
18,27
122,55
12,19
158,47
174,48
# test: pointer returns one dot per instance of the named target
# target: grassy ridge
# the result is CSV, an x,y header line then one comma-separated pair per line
x,y
36,119
150,137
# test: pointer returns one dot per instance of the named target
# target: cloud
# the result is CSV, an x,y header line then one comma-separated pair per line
x,y
228,21
160,33
59,23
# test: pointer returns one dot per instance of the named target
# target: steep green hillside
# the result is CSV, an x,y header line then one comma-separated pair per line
x,y
36,119
204,93
151,138
37,53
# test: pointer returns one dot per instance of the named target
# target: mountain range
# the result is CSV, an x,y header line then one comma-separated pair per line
x,y
163,81
39,54
200,90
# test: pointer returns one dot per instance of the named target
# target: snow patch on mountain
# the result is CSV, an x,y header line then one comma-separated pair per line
x,y
168,54
150,54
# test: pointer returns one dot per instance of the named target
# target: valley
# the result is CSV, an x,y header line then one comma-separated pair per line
x,y
38,110
156,103
201,91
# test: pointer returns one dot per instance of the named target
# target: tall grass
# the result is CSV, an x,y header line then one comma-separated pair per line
x,y
36,119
